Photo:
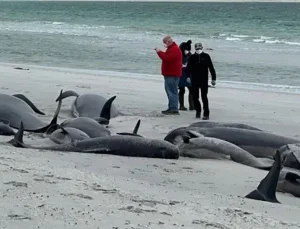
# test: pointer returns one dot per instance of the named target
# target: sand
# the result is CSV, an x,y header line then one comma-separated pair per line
x,y
44,189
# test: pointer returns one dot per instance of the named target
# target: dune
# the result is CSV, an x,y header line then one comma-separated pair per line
x,y
45,189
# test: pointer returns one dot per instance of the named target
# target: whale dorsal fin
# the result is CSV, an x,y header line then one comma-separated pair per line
x,y
105,112
137,126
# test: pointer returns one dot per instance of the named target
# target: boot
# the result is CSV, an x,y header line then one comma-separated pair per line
x,y
191,102
181,103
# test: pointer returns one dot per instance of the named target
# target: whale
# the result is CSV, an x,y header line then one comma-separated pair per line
x,y
88,105
130,146
209,147
15,111
289,182
210,124
67,135
5,129
258,143
93,128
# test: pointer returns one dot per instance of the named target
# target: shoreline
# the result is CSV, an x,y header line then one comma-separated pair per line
x,y
234,85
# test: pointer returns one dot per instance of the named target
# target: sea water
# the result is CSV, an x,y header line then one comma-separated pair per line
x,y
253,44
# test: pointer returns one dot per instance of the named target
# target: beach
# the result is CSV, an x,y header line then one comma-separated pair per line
x,y
45,189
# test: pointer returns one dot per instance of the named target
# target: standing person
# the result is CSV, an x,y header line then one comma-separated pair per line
x,y
198,65
171,70
184,80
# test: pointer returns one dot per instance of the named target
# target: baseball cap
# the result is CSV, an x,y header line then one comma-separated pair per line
x,y
198,46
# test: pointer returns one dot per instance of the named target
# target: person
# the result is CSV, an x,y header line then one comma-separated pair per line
x,y
184,80
198,65
171,70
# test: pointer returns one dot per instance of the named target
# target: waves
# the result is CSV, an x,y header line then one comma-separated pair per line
x,y
256,39
126,33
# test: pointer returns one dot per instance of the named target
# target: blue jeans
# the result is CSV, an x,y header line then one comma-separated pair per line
x,y
171,87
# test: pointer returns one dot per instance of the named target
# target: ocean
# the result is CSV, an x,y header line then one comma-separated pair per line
x,y
254,44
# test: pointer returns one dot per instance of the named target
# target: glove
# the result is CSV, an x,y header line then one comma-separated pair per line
x,y
213,82
188,80
184,65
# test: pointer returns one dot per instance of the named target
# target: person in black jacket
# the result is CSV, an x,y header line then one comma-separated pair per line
x,y
198,65
184,80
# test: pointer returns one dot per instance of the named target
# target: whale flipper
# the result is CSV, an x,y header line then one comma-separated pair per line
x,y
266,190
26,100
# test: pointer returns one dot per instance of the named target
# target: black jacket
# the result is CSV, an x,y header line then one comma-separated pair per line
x,y
197,68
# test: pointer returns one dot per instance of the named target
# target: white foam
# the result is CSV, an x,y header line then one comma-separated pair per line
x,y
233,39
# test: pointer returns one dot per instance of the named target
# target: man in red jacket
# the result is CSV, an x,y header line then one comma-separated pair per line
x,y
171,67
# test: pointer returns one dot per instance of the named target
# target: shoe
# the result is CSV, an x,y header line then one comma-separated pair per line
x,y
170,112
205,118
183,108
198,114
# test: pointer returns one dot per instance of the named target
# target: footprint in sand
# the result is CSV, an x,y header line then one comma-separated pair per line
x,y
97,187
18,217
19,170
78,195
210,224
17,184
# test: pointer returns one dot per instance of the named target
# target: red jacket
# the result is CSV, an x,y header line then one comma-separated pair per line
x,y
171,61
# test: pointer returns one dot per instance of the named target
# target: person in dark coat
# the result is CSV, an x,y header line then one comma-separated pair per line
x,y
198,65
184,80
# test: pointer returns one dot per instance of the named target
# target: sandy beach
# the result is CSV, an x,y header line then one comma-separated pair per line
x,y
44,189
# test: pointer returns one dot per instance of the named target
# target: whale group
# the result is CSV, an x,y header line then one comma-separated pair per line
x,y
87,131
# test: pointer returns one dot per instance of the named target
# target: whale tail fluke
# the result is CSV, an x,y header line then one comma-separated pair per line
x,y
66,94
266,190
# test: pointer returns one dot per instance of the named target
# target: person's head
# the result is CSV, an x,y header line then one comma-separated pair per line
x,y
198,48
167,40
189,45
186,47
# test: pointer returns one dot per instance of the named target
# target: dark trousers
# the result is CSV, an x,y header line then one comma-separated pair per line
x,y
195,93
190,97
182,90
